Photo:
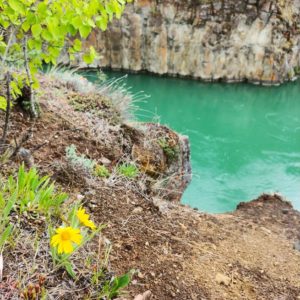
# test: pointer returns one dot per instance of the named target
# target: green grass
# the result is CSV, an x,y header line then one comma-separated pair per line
x,y
128,170
101,171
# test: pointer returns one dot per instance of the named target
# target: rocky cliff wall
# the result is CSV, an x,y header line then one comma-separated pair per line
x,y
232,40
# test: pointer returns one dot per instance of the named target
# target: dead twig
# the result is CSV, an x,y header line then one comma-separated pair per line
x,y
7,113
24,138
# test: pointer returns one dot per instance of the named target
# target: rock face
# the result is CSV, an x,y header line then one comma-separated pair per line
x,y
164,156
230,40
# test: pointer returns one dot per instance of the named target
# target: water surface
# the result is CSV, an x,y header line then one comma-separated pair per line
x,y
245,139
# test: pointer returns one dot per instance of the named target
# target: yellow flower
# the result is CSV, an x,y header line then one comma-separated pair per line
x,y
64,239
84,218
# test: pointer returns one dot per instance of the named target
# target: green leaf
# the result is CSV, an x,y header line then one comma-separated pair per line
x,y
123,281
102,23
90,57
69,269
118,284
3,103
84,31
26,26
46,35
36,30
5,235
77,45
17,6
76,22
42,9
15,89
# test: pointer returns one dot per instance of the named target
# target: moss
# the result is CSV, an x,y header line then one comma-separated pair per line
x,y
170,150
297,70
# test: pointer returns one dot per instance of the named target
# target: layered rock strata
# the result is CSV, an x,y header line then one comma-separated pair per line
x,y
230,40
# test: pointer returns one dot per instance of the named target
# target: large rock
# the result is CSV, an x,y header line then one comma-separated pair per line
x,y
164,156
232,40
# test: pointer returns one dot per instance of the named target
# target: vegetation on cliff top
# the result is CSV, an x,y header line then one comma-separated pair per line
x,y
31,207
35,32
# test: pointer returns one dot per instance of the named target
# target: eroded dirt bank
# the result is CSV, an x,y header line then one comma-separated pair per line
x,y
179,253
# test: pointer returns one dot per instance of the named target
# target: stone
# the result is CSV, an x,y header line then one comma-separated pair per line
x,y
105,161
297,245
223,279
162,153
137,210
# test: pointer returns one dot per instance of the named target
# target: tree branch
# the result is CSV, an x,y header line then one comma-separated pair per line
x,y
7,114
32,95
3,60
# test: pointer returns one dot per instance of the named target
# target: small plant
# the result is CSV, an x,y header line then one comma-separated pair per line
x,y
6,206
297,70
171,151
111,289
127,170
72,235
33,193
101,171
37,32
79,161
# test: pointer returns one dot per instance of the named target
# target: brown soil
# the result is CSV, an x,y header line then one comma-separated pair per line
x,y
178,253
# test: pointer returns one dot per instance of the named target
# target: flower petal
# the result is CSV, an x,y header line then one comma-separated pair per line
x,y
76,238
60,248
67,247
55,240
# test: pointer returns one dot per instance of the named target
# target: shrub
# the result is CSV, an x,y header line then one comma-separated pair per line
x,y
101,171
36,32
32,192
127,170
79,161
6,206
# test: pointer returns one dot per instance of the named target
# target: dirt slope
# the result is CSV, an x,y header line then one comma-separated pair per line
x,y
179,253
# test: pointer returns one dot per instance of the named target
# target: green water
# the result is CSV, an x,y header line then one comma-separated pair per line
x,y
245,139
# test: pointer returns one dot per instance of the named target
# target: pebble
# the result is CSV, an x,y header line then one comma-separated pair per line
x,y
222,279
297,245
105,161
137,210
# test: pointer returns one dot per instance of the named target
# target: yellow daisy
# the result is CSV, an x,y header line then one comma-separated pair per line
x,y
84,218
64,239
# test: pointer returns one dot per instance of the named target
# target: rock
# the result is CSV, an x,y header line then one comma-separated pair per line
x,y
163,155
297,245
223,279
233,41
137,210
145,296
266,231
105,161
26,157
285,211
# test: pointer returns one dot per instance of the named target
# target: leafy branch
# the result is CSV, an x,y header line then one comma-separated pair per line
x,y
35,32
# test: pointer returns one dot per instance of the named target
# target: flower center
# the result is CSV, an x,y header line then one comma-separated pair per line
x,y
65,236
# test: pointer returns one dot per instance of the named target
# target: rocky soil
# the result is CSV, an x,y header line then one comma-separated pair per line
x,y
177,252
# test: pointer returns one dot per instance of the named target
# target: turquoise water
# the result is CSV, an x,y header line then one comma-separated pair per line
x,y
245,139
